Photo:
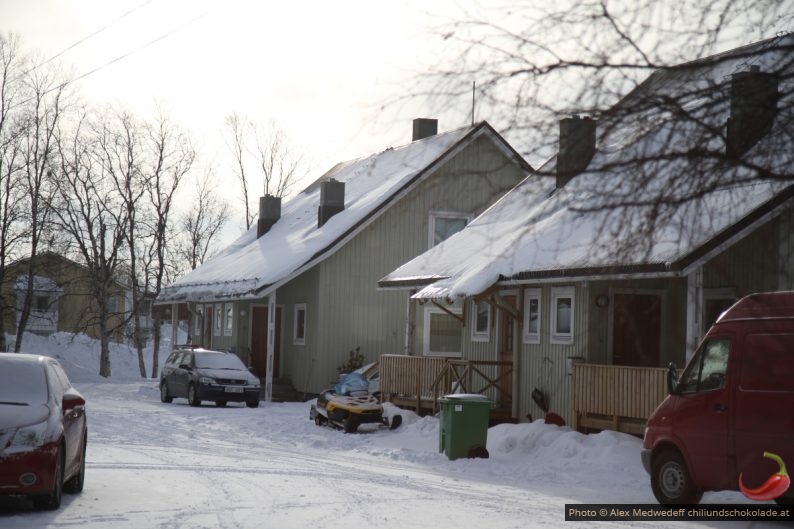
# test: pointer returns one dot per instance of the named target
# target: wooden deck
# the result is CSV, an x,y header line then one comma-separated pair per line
x,y
417,382
621,398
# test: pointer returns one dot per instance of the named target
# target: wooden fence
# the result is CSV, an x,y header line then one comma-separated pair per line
x,y
616,397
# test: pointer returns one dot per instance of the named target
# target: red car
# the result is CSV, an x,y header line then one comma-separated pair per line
x,y
43,430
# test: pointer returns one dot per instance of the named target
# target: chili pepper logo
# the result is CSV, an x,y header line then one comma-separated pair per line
x,y
776,485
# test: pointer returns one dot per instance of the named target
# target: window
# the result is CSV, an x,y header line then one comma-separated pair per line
x,y
445,225
532,315
481,322
708,367
199,319
218,319
562,300
299,336
42,304
112,305
442,332
229,318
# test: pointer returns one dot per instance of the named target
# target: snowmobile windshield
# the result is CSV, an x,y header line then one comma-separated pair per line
x,y
351,383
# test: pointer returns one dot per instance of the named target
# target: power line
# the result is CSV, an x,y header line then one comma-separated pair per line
x,y
116,59
95,33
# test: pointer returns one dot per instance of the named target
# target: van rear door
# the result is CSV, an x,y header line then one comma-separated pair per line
x,y
763,417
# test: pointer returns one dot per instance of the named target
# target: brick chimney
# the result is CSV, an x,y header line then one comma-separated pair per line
x,y
424,128
754,97
577,147
332,200
269,213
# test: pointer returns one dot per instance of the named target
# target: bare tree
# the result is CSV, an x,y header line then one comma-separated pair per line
x,y
88,207
202,223
237,131
173,159
12,194
34,100
262,153
120,153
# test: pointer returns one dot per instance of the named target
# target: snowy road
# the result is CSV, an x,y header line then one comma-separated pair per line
x,y
154,465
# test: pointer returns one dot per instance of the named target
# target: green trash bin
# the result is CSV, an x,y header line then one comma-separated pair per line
x,y
464,425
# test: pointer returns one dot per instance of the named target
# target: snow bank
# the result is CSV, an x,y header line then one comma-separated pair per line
x,y
79,354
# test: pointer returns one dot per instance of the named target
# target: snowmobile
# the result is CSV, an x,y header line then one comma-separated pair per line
x,y
349,404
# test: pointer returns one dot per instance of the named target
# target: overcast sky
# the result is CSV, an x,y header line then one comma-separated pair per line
x,y
320,69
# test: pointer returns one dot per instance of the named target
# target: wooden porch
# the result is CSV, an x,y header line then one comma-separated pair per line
x,y
417,382
621,398
603,397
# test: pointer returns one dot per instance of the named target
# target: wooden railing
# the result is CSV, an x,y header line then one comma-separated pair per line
x,y
419,381
616,397
466,376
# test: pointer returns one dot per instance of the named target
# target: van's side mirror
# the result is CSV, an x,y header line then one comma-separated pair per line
x,y
672,378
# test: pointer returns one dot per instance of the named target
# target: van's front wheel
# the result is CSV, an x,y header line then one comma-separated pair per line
x,y
670,480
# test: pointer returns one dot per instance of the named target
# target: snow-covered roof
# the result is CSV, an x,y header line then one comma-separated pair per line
x,y
602,223
250,268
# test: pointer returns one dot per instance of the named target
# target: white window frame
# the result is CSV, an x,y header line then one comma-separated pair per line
x,y
198,325
299,340
480,336
443,215
432,309
218,323
531,294
228,319
558,293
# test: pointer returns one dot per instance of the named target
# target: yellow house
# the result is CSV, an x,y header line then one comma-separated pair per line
x,y
62,298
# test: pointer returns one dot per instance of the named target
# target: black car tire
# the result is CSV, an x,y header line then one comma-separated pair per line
x,y
75,484
164,395
220,403
670,480
52,500
252,403
192,396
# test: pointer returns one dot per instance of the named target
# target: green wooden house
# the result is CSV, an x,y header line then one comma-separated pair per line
x,y
578,288
296,294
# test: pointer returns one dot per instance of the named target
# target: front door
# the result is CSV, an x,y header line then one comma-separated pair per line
x,y
507,347
637,329
259,342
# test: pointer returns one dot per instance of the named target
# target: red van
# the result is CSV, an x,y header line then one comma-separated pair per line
x,y
733,402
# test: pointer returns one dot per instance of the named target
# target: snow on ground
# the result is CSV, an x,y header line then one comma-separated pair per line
x,y
155,465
